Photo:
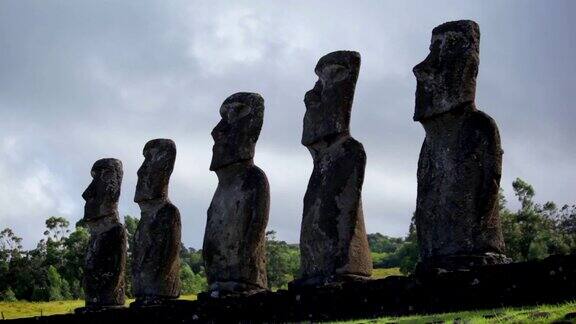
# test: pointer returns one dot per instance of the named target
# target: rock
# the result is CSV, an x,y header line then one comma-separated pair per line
x,y
460,163
391,297
570,316
234,241
105,260
156,250
333,242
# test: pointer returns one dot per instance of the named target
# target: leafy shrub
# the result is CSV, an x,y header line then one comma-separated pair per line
x,y
8,295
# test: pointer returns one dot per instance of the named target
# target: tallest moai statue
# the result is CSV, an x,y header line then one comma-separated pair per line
x,y
460,163
333,242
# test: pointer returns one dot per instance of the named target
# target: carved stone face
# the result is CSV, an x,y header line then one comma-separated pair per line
x,y
154,174
446,79
329,103
236,134
102,194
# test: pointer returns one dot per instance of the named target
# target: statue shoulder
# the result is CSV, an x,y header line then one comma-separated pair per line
x,y
354,149
480,130
169,214
117,231
255,177
483,123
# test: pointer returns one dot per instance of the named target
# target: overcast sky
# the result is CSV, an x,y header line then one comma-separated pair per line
x,y
83,80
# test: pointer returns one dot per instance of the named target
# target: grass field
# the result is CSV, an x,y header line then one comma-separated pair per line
x,y
536,314
378,273
11,310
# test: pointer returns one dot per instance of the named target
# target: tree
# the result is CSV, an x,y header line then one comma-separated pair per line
x,y
283,261
190,282
409,253
55,233
193,258
57,228
131,224
383,244
72,271
8,295
391,252
524,192
536,231
58,288
10,245
10,249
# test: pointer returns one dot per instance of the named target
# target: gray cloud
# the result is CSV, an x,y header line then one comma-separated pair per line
x,y
84,80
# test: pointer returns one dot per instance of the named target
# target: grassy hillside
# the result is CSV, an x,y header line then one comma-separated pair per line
x,y
379,273
18,309
536,314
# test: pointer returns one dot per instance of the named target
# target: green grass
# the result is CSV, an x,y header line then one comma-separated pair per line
x,y
379,273
536,314
19,309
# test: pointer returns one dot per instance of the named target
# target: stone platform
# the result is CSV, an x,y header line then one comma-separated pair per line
x,y
551,280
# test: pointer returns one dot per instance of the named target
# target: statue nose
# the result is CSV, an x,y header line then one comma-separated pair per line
x,y
420,70
425,68
88,193
311,96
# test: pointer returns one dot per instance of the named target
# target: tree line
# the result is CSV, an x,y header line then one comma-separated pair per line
x,y
54,269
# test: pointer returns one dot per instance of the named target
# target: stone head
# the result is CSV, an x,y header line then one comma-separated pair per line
x,y
236,134
154,174
103,193
329,103
446,79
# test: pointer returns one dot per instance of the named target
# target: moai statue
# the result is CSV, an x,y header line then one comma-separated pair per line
x,y
156,249
333,242
106,256
234,242
460,163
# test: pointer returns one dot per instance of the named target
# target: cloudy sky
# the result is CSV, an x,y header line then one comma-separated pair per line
x,y
83,80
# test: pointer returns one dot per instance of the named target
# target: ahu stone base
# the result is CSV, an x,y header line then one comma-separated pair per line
x,y
552,280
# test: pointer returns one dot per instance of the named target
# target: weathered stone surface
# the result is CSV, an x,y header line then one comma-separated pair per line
x,y
234,240
333,241
459,169
106,256
156,246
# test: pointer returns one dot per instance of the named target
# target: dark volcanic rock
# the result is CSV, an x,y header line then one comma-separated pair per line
x,y
155,254
570,316
333,241
460,163
504,285
234,240
484,287
106,256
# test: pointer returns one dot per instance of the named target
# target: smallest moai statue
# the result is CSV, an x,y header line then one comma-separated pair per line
x,y
234,242
155,256
105,260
